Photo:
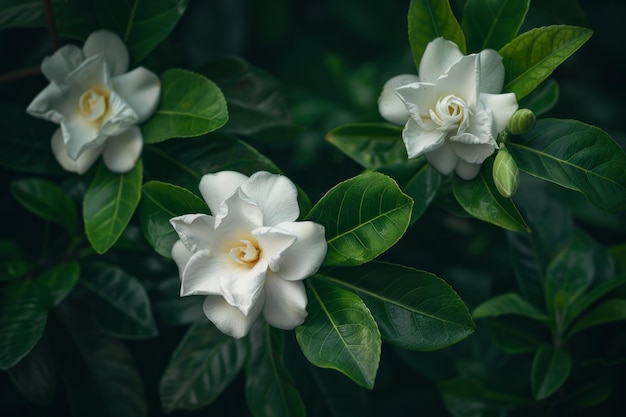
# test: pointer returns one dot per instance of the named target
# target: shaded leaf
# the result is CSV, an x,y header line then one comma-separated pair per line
x,y
340,394
606,312
46,200
469,398
491,24
577,156
202,366
190,105
58,281
509,303
480,198
517,334
160,203
340,333
13,265
270,390
35,375
531,57
23,317
109,203
542,99
124,308
363,216
550,370
174,310
588,298
430,19
413,309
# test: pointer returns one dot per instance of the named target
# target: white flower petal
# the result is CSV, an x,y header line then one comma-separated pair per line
x,y
80,135
121,152
111,47
217,188
229,319
196,231
304,257
201,273
180,255
466,170
81,164
480,127
285,303
469,149
443,159
439,56
42,105
58,66
120,118
273,241
390,106
462,80
242,286
502,107
276,196
238,213
491,72
418,140
140,89
418,98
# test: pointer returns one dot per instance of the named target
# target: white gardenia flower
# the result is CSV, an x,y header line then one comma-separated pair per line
x,y
453,111
97,103
249,258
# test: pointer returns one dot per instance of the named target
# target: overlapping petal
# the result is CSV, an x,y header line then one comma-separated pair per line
x,y
444,159
121,152
229,319
438,57
195,230
240,285
419,140
502,107
218,187
304,257
141,90
276,196
111,47
198,273
58,66
390,106
79,165
491,72
285,303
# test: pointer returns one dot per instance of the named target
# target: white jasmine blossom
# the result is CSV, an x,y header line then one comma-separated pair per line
x,y
249,258
452,113
97,103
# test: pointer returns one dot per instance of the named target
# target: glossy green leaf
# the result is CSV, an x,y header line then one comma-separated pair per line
x,y
430,19
370,145
413,309
13,264
480,198
509,303
202,366
58,281
550,370
141,24
46,200
160,203
183,162
340,333
257,101
23,317
190,105
270,390
363,216
124,308
606,312
531,57
99,374
109,203
419,180
577,156
542,99
587,299
491,24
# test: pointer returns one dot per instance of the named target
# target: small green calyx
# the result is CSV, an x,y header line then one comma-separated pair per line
x,y
522,121
505,173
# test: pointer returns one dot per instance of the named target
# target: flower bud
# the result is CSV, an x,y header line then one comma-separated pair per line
x,y
521,122
505,173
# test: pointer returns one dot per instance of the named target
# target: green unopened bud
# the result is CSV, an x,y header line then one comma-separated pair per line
x,y
521,122
505,173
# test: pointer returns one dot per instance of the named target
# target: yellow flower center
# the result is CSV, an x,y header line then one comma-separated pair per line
x,y
94,104
245,252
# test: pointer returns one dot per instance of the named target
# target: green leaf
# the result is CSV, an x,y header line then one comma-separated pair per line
x,y
370,145
46,200
606,312
183,162
109,203
550,370
542,99
588,298
413,309
417,179
480,198
270,389
469,398
517,334
339,395
124,308
161,202
23,318
363,216
430,19
58,281
141,24
12,262
531,57
202,366
577,156
509,303
491,24
35,375
190,105
170,309
340,333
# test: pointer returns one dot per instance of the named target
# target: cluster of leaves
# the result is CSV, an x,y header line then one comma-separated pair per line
x,y
91,272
